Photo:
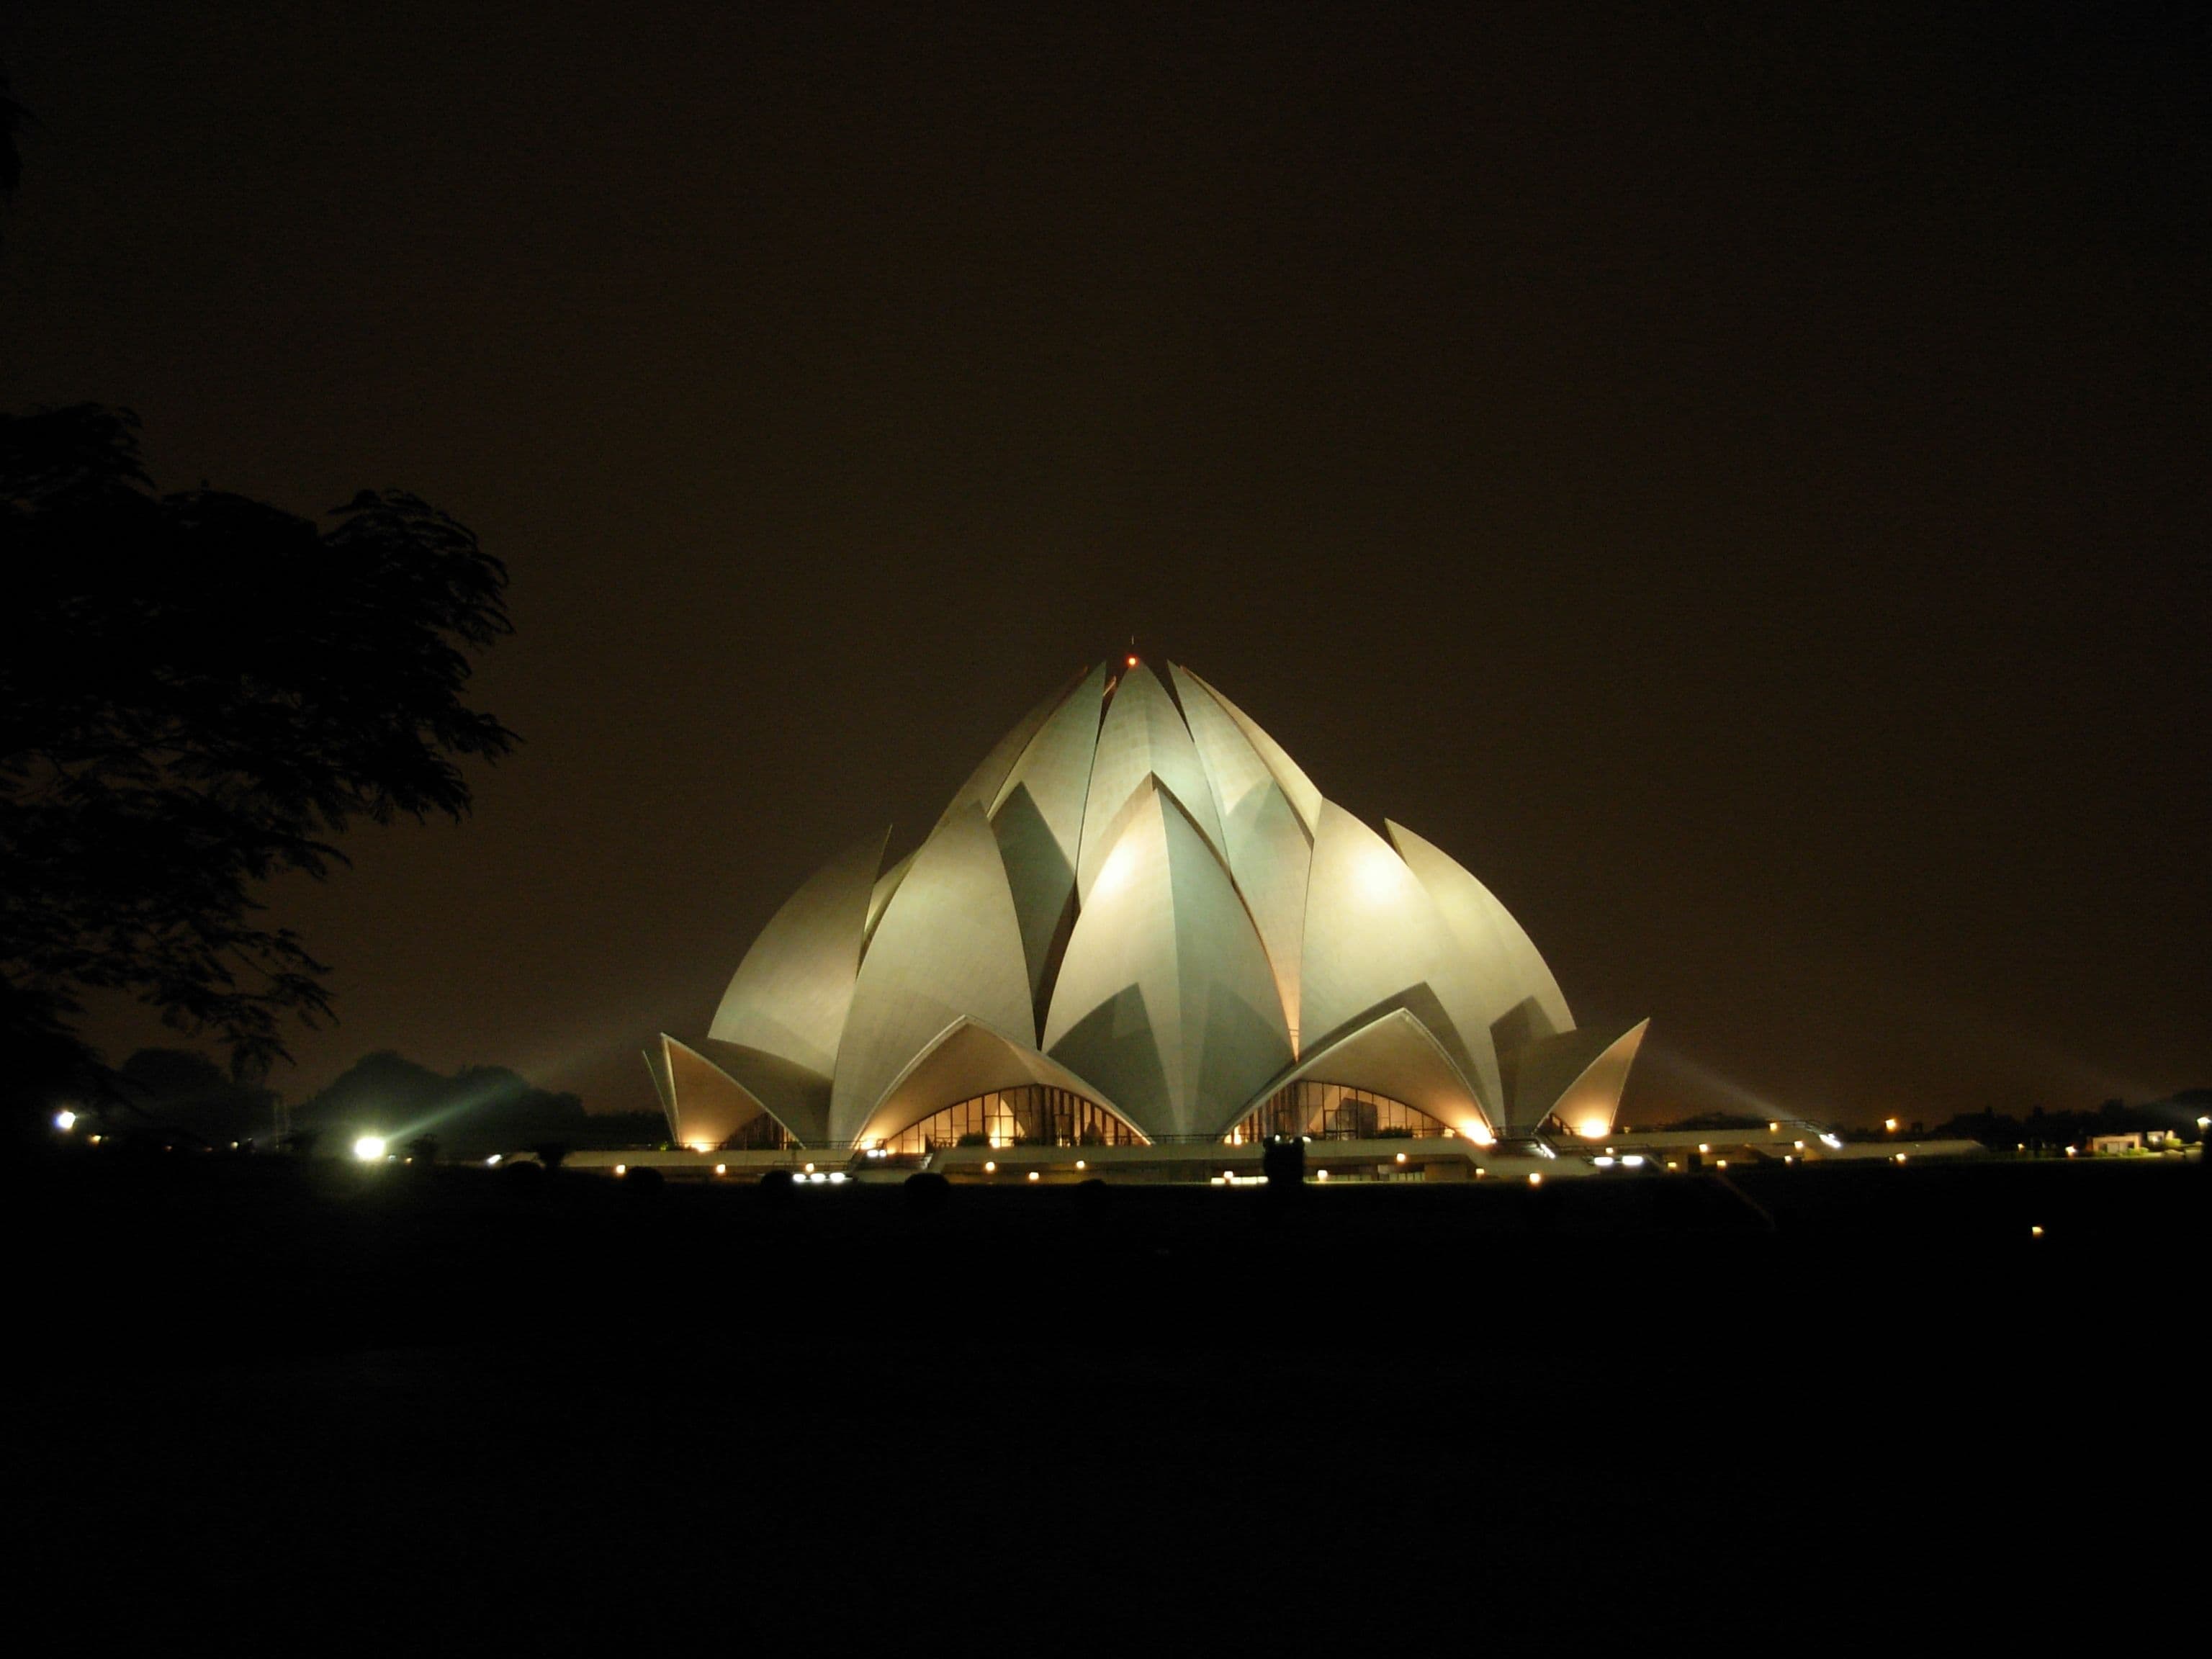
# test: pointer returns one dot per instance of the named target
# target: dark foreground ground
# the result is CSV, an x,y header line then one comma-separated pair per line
x,y
260,1406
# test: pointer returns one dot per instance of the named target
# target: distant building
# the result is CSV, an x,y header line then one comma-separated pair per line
x,y
1139,928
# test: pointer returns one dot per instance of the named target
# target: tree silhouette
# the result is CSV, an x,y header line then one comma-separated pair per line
x,y
477,1110
184,1088
198,692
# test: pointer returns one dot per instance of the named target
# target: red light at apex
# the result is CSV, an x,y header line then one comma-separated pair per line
x,y
1132,662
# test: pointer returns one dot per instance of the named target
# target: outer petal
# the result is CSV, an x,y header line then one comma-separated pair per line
x,y
794,1096
1373,940
664,1085
707,1106
967,1059
1578,1074
1394,1054
949,945
790,994
1508,968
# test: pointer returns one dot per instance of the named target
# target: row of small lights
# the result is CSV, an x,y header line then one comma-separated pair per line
x,y
370,1149
991,1167
810,1174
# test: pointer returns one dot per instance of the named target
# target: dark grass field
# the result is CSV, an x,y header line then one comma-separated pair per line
x,y
274,1406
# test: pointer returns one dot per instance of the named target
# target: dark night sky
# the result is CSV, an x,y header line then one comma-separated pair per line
x,y
1737,482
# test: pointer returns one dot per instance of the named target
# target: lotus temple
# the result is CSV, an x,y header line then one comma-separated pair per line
x,y
1139,942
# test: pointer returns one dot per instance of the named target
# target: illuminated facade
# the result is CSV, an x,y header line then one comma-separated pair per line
x,y
1138,923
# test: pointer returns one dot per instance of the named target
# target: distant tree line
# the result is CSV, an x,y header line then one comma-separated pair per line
x,y
473,1113
181,1093
2176,1113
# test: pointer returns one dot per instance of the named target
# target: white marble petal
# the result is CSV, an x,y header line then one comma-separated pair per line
x,y
984,782
1395,1056
709,1105
1508,968
1143,737
1293,780
1038,816
964,1060
1233,767
1374,941
664,1087
1054,766
949,945
1272,860
1578,1074
1165,1000
790,994
1269,846
795,1097
879,897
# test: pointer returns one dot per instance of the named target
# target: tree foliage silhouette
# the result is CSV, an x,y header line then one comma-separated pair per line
x,y
183,1089
198,692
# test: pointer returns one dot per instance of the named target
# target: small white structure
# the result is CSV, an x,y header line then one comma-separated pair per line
x,y
1139,923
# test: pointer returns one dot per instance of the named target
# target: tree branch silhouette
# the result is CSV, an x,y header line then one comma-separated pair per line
x,y
200,692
